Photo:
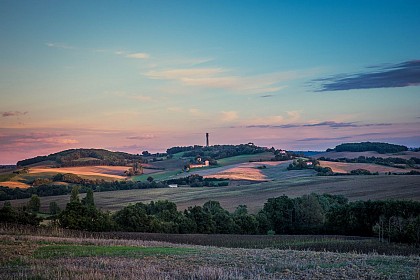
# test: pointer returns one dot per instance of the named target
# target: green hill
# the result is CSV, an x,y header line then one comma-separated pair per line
x,y
84,157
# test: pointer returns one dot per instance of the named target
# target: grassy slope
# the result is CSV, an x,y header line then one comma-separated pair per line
x,y
245,158
173,167
41,256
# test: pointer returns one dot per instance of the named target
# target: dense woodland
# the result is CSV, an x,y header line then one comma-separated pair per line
x,y
395,221
85,157
218,151
379,147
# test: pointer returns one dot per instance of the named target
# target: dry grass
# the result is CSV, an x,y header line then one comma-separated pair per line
x,y
343,167
116,172
194,262
246,171
14,184
253,171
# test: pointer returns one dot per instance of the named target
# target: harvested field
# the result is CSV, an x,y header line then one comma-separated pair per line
x,y
50,257
14,184
116,172
253,171
343,167
336,155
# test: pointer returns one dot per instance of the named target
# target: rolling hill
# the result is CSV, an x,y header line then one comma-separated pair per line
x,y
82,157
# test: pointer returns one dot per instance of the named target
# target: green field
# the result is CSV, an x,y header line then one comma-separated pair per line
x,y
66,250
158,176
244,158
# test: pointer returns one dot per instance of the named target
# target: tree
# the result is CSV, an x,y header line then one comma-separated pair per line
x,y
203,219
280,211
246,223
222,220
74,197
309,213
54,209
133,218
88,200
150,179
17,215
34,203
84,216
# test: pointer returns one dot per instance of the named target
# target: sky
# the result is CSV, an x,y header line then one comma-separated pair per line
x,y
148,75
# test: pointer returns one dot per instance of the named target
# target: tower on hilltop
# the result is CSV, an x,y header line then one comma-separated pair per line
x,y
207,139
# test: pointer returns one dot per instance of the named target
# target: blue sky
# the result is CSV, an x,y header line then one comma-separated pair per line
x,y
147,75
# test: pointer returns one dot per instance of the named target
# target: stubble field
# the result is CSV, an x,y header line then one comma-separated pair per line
x,y
39,256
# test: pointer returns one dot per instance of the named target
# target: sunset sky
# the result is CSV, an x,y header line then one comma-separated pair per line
x,y
148,75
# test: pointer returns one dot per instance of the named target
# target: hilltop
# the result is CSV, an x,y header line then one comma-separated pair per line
x,y
83,157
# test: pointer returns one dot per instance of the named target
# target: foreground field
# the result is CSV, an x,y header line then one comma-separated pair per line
x,y
255,195
42,256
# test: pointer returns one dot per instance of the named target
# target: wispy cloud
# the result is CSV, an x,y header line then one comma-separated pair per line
x,y
330,124
334,124
311,139
13,113
24,140
220,78
141,137
229,116
195,112
274,121
175,109
143,98
60,46
395,75
138,55
181,74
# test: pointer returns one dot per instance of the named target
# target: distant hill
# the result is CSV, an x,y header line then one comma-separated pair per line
x,y
84,157
382,148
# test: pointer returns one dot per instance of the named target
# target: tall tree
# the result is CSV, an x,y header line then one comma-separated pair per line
x,y
34,203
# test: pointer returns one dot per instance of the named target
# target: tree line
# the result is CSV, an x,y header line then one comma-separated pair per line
x,y
48,187
395,221
382,148
391,161
218,151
